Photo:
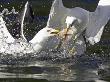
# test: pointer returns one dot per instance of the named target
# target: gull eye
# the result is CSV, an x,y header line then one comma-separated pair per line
x,y
73,23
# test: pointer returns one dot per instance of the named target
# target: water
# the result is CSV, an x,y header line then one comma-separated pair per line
x,y
82,68
49,66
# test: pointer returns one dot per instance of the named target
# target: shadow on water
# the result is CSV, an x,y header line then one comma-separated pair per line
x,y
53,67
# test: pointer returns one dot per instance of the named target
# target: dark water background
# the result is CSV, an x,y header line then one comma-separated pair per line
x,y
95,65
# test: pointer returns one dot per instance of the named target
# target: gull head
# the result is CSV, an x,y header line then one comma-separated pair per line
x,y
48,32
43,35
70,20
70,28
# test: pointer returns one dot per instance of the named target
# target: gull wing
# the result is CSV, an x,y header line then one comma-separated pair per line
x,y
97,21
57,14
4,33
25,17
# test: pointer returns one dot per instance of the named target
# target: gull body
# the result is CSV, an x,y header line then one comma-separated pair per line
x,y
39,41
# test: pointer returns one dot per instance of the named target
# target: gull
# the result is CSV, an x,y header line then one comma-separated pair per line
x,y
9,45
84,25
40,38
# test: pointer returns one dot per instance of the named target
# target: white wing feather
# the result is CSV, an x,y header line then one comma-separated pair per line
x,y
22,22
97,21
4,33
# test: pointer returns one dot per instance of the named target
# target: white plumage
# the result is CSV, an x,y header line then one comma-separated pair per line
x,y
82,24
88,24
104,3
41,37
9,45
4,33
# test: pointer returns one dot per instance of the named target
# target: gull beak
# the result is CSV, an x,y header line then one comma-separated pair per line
x,y
55,32
66,32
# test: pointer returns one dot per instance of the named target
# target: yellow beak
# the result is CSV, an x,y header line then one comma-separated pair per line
x,y
54,31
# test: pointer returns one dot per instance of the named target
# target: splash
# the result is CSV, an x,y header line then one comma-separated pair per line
x,y
20,48
19,45
7,12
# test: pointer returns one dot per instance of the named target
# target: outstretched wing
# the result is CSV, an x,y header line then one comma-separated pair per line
x,y
25,17
57,15
97,21
4,33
